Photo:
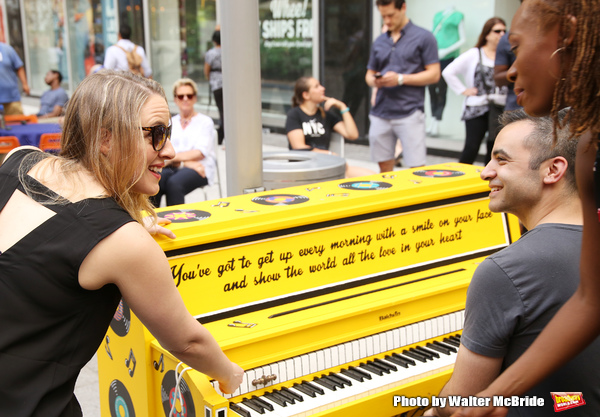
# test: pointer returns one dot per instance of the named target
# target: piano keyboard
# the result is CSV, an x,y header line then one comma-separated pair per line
x,y
355,376
352,383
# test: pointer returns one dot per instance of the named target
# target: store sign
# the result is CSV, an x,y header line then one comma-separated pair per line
x,y
288,25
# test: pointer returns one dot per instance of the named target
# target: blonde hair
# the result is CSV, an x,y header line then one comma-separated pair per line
x,y
109,102
183,82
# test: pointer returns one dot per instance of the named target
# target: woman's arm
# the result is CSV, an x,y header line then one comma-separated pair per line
x,y
347,127
132,260
461,67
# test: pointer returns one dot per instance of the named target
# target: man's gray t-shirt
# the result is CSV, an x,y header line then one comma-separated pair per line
x,y
52,98
513,295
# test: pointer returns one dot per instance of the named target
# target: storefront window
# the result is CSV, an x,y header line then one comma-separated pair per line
x,y
181,33
286,44
44,33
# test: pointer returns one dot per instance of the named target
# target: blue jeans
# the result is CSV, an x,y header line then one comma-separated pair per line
x,y
176,183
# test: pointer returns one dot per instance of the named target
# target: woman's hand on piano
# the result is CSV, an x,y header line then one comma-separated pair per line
x,y
237,375
157,228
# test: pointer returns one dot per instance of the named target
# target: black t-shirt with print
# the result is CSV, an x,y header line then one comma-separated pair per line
x,y
316,128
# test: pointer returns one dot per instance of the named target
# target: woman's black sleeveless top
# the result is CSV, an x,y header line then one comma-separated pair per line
x,y
50,327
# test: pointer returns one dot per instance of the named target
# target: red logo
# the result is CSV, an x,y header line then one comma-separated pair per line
x,y
567,400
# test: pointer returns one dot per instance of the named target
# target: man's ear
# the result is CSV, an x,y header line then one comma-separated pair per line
x,y
105,141
555,169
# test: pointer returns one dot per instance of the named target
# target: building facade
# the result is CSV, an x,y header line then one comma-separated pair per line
x,y
328,39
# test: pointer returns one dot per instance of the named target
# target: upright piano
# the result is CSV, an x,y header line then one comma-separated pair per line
x,y
334,297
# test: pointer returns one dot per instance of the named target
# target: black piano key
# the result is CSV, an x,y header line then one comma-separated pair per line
x,y
253,405
278,399
456,337
437,348
341,379
316,388
450,341
385,364
333,380
352,374
305,390
360,371
291,394
429,353
405,358
445,345
399,362
414,355
263,403
371,368
326,383
380,366
242,412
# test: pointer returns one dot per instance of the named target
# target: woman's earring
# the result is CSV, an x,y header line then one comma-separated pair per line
x,y
561,49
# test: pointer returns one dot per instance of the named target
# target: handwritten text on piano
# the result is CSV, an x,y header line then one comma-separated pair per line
x,y
330,255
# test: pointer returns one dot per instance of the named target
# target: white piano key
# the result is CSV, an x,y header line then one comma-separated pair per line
x,y
398,341
312,363
335,354
370,347
376,345
320,360
403,336
447,323
281,371
362,346
348,350
429,329
291,369
298,366
327,355
355,350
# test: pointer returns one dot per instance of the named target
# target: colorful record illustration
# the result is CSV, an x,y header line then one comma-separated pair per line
x,y
183,408
121,320
280,199
119,400
365,185
184,216
438,173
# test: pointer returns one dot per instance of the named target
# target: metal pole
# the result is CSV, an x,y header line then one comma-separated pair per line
x,y
242,95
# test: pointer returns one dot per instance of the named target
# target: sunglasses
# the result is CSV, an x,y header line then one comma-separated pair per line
x,y
188,96
499,31
159,134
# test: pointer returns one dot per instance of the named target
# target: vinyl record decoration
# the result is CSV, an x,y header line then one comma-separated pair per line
x,y
119,400
121,321
184,216
365,185
185,408
280,199
438,173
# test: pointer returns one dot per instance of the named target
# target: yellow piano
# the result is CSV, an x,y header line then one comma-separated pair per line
x,y
343,298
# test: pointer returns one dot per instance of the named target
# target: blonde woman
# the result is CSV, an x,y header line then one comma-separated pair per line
x,y
79,246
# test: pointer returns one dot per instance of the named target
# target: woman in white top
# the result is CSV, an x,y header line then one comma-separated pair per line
x,y
194,165
472,75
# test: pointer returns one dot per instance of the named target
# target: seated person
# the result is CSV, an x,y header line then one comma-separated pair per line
x,y
195,164
515,292
309,126
53,101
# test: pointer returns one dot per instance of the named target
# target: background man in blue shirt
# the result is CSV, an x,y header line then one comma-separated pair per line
x,y
53,101
402,62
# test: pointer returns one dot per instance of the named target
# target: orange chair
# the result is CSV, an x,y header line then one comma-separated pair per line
x,y
50,142
15,119
7,144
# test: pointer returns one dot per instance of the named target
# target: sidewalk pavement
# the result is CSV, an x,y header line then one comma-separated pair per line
x,y
440,150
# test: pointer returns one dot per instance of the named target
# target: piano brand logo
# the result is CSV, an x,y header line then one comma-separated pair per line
x,y
389,316
567,400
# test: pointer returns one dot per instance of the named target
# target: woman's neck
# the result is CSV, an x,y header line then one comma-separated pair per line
x,y
186,118
309,107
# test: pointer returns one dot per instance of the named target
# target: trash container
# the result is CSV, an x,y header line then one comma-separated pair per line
x,y
290,168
